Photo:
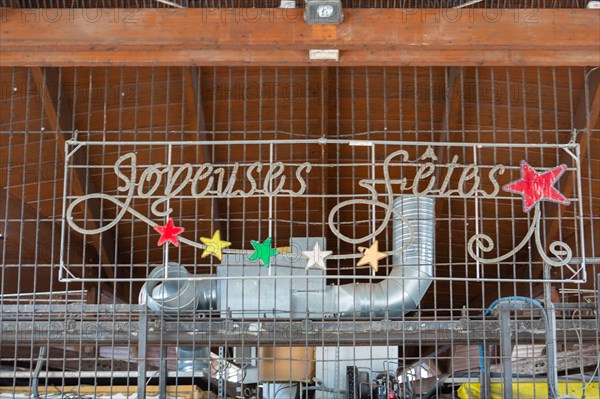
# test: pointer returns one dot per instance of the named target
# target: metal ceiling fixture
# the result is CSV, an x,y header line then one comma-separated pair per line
x,y
323,12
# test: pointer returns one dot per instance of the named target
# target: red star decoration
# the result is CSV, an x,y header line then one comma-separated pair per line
x,y
535,187
169,233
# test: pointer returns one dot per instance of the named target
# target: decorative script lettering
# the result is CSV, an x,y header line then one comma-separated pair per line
x,y
160,183
203,181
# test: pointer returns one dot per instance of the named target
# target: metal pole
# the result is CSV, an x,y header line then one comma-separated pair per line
x,y
550,336
598,301
221,373
506,353
162,378
141,380
484,377
488,375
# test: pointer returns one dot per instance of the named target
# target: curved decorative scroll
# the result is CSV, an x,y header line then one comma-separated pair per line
x,y
124,207
561,251
387,206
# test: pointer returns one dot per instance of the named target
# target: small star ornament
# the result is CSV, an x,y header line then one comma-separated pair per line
x,y
316,257
371,256
169,233
263,251
535,187
214,246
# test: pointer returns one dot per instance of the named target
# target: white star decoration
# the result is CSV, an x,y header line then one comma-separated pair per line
x,y
316,257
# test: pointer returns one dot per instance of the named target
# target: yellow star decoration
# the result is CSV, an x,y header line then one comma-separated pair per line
x,y
371,256
214,245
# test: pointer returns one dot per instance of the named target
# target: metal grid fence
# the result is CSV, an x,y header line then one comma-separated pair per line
x,y
497,299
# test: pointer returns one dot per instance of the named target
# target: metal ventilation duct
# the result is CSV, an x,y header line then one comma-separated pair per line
x,y
401,292
409,279
174,297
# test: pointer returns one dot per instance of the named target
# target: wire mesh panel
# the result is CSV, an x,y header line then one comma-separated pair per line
x,y
299,232
276,177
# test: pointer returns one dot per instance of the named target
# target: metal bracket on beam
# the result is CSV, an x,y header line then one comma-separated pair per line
x,y
324,55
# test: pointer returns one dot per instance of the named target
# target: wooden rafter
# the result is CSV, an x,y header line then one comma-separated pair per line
x,y
328,129
32,234
60,118
451,118
281,37
37,242
449,124
193,101
194,111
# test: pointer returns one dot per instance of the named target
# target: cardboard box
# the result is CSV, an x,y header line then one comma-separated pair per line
x,y
296,364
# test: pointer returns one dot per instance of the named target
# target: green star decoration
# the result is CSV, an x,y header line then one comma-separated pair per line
x,y
263,251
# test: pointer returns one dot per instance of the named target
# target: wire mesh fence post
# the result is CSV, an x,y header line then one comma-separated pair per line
x,y
485,372
221,373
550,336
142,353
162,377
506,344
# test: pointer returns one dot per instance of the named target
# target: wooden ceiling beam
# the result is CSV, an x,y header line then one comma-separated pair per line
x,y
431,37
60,117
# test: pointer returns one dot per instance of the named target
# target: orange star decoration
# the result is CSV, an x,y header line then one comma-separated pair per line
x,y
371,256
214,245
169,233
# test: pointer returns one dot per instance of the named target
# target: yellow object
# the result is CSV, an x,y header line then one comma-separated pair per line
x,y
531,390
214,245
371,256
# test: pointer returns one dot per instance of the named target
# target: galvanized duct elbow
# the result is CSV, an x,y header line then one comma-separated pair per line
x,y
176,297
409,279
399,293
166,296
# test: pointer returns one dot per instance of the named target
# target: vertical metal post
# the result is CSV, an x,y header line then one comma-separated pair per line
x,y
550,335
484,378
221,374
162,377
488,375
336,367
598,300
142,353
271,216
374,198
506,353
